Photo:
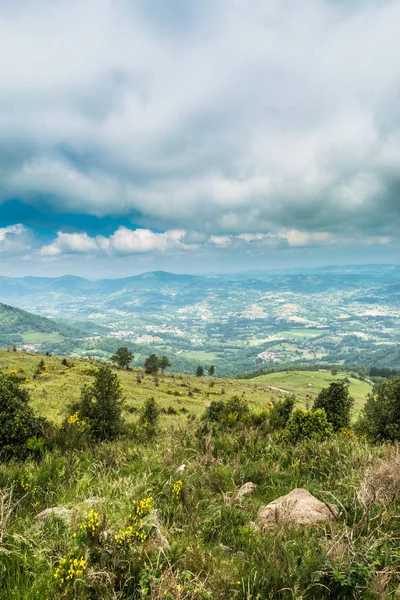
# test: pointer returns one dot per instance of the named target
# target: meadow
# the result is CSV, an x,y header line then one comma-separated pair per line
x,y
206,543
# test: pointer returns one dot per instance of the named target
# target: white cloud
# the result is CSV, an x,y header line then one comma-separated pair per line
x,y
67,243
123,241
15,239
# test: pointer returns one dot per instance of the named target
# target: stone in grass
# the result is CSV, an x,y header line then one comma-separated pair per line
x,y
181,468
93,500
55,511
299,507
247,488
152,520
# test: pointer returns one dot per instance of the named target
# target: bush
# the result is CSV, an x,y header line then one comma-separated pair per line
x,y
100,406
281,412
18,422
234,410
380,418
308,424
149,419
337,403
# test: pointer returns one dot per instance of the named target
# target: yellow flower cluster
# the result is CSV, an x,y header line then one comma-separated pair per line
x,y
92,523
174,393
75,420
26,484
141,508
70,567
125,537
176,489
348,432
13,372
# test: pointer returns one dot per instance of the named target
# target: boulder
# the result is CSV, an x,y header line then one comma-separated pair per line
x,y
299,507
247,488
55,511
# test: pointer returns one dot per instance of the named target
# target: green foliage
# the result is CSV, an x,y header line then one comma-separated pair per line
x,y
122,357
150,413
18,423
200,371
337,403
308,424
41,368
229,413
152,364
164,363
100,405
380,418
280,413
211,370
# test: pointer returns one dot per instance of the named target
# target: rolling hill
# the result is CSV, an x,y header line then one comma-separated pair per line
x,y
20,326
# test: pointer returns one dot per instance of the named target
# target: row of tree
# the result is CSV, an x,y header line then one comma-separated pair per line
x,y
153,363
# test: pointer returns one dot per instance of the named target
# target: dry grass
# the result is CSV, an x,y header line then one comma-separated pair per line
x,y
382,479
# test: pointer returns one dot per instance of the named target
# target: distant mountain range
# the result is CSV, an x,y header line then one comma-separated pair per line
x,y
19,289
238,322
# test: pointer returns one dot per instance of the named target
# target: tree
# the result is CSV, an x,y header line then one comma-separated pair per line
x,y
123,357
18,422
380,418
100,405
337,403
211,370
152,364
200,371
164,363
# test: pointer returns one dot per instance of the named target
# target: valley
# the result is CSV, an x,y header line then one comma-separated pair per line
x,y
348,316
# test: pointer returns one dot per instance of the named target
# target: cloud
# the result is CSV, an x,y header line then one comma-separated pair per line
x,y
277,119
126,241
123,241
15,239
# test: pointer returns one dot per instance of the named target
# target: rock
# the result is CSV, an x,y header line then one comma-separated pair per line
x,y
94,500
299,507
152,520
181,468
225,548
254,526
247,488
55,511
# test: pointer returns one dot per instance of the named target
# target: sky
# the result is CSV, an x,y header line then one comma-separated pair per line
x,y
198,135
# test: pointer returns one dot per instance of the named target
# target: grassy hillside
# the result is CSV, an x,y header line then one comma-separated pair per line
x,y
206,544
18,326
60,385
306,385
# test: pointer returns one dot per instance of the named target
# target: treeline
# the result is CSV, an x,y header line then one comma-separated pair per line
x,y
361,371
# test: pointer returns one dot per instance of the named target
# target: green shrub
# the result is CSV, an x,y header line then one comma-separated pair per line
x,y
308,424
235,410
280,413
149,420
337,403
380,418
18,422
100,405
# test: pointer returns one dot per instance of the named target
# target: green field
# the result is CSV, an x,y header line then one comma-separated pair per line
x,y
309,383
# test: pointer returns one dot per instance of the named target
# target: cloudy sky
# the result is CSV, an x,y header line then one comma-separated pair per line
x,y
198,135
